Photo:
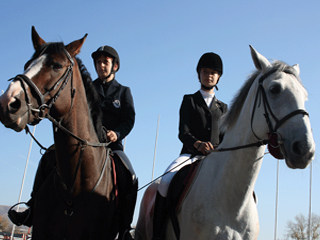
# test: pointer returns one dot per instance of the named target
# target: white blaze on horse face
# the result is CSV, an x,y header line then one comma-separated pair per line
x,y
15,88
7,97
35,66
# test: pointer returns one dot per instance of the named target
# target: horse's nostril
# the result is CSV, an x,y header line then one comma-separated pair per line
x,y
299,148
14,106
296,148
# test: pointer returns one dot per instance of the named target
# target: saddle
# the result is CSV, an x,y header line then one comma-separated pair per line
x,y
180,185
178,190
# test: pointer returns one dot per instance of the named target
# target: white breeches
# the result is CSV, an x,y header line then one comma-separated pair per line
x,y
174,167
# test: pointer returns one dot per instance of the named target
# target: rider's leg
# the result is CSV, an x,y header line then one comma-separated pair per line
x,y
129,204
128,201
160,208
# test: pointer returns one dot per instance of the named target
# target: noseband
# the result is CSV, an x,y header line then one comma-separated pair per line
x,y
26,82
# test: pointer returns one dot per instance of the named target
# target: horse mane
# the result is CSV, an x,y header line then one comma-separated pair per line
x,y
92,95
93,100
232,115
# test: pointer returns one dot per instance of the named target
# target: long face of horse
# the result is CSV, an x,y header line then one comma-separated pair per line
x,y
31,95
280,102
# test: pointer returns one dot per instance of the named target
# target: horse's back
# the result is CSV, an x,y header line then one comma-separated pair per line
x,y
144,224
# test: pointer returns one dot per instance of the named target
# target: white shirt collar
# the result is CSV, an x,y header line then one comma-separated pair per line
x,y
207,97
206,94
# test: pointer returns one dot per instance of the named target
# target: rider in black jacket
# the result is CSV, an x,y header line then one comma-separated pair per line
x,y
198,131
118,118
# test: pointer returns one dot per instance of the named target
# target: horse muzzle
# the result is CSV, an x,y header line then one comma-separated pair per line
x,y
14,112
299,153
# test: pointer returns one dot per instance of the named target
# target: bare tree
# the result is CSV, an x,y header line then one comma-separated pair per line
x,y
299,230
4,223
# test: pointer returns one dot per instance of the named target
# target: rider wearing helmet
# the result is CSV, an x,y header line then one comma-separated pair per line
x,y
110,52
118,118
198,130
117,102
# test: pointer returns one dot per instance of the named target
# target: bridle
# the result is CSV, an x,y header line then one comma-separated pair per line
x,y
261,93
43,110
274,141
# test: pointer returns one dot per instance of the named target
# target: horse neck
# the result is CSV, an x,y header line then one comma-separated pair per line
x,y
68,149
236,171
242,165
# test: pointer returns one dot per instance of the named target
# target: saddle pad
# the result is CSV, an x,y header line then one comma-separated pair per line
x,y
180,185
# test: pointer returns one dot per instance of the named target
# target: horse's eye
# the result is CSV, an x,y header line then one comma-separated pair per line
x,y
275,89
56,66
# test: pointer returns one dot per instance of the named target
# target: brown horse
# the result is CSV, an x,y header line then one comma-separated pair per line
x,y
78,199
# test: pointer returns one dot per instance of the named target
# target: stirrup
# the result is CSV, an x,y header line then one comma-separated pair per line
x,y
128,234
15,221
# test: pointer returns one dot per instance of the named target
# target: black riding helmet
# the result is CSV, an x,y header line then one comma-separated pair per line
x,y
107,51
210,60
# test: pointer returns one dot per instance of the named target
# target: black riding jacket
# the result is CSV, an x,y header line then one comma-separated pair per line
x,y
118,109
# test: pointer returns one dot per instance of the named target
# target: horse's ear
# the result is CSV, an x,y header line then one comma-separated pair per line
x,y
74,47
260,61
36,39
296,68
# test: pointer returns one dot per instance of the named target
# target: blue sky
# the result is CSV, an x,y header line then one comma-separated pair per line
x,y
159,43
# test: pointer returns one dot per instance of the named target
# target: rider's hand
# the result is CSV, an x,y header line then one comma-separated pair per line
x,y
203,147
112,136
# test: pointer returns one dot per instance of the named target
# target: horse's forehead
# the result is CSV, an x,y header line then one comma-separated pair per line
x,y
291,81
295,82
35,66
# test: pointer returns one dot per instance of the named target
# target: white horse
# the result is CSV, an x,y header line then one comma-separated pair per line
x,y
220,203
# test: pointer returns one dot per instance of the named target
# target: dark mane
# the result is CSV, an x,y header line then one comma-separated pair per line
x,y
237,103
93,100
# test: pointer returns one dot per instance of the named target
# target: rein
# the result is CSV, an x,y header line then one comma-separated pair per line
x,y
274,136
256,144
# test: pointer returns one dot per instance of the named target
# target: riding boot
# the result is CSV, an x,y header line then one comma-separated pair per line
x,y
159,217
128,207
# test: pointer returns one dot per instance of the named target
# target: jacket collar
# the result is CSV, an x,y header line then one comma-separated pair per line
x,y
199,98
112,87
